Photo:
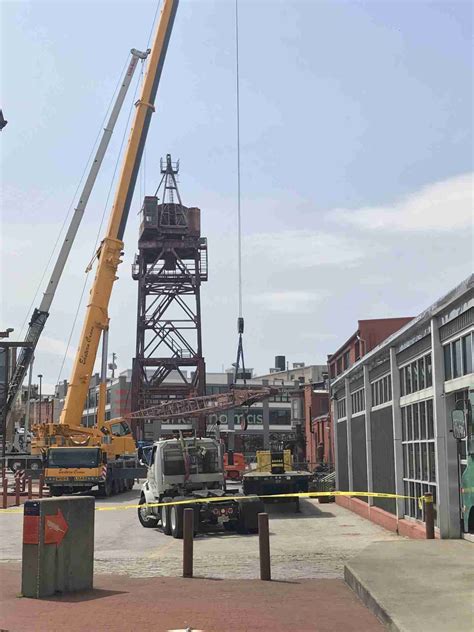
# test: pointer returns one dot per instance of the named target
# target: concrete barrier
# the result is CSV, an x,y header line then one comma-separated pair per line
x,y
58,546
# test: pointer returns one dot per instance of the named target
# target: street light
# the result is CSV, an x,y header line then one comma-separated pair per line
x,y
40,375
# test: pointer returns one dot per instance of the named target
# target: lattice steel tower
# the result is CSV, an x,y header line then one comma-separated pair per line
x,y
170,266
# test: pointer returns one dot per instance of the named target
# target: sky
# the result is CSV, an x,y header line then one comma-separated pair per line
x,y
356,123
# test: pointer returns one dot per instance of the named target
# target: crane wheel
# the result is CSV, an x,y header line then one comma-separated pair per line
x,y
105,489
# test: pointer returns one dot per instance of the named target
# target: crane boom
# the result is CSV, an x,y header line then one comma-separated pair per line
x,y
96,319
41,313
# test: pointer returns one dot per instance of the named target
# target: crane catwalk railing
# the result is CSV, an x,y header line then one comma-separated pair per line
x,y
197,406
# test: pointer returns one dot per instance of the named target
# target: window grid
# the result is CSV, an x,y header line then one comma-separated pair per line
x,y
419,455
358,401
341,408
381,391
416,376
458,359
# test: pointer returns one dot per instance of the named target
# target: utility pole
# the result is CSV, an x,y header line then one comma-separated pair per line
x,y
28,399
40,375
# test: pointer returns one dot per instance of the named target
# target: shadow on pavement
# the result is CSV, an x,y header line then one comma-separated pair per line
x,y
287,510
87,595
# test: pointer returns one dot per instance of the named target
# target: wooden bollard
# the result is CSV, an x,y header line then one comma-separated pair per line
x,y
5,493
188,537
23,483
429,516
30,487
40,486
17,492
264,546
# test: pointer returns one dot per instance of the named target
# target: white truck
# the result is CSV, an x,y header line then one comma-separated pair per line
x,y
189,469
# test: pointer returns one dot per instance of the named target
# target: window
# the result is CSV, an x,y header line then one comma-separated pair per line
x,y
467,354
341,409
419,454
357,350
458,357
416,376
346,360
421,373
429,371
448,372
339,365
381,391
358,401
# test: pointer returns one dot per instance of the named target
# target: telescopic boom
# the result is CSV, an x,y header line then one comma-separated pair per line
x,y
96,319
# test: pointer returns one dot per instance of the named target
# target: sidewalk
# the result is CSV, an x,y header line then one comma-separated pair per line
x,y
415,585
125,604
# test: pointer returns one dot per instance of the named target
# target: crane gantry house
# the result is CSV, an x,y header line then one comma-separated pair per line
x,y
393,417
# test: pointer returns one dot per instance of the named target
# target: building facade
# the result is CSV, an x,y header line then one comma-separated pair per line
x,y
317,426
393,411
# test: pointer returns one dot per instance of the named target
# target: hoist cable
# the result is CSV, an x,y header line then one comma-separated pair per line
x,y
66,217
239,219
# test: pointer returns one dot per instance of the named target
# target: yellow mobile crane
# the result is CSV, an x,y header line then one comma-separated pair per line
x,y
76,457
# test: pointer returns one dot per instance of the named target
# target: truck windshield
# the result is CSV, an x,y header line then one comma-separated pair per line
x,y
73,457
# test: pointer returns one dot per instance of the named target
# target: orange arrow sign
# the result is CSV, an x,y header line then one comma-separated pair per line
x,y
55,528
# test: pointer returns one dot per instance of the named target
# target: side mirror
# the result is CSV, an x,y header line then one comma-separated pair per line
x,y
458,419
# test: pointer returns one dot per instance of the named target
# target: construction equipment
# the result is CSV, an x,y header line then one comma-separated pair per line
x,y
197,406
234,466
41,313
187,470
74,455
275,475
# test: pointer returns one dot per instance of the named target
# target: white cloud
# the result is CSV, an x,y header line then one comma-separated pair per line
x,y
55,347
289,302
442,206
301,248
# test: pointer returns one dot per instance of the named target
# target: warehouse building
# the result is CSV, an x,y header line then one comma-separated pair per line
x,y
393,412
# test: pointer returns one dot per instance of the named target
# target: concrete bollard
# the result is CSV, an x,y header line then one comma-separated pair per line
x,y
429,516
17,492
188,537
264,546
30,487
5,493
58,546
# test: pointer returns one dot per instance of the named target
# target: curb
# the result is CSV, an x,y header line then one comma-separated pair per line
x,y
369,600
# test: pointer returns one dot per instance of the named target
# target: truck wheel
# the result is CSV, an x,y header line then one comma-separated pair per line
x,y
147,520
56,491
130,484
176,520
165,518
248,515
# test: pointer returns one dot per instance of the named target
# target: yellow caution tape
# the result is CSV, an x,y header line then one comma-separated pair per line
x,y
194,501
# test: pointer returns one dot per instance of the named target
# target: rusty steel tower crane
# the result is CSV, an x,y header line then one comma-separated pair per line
x,y
170,266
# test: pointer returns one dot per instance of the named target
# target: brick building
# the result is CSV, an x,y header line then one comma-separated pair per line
x,y
369,334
